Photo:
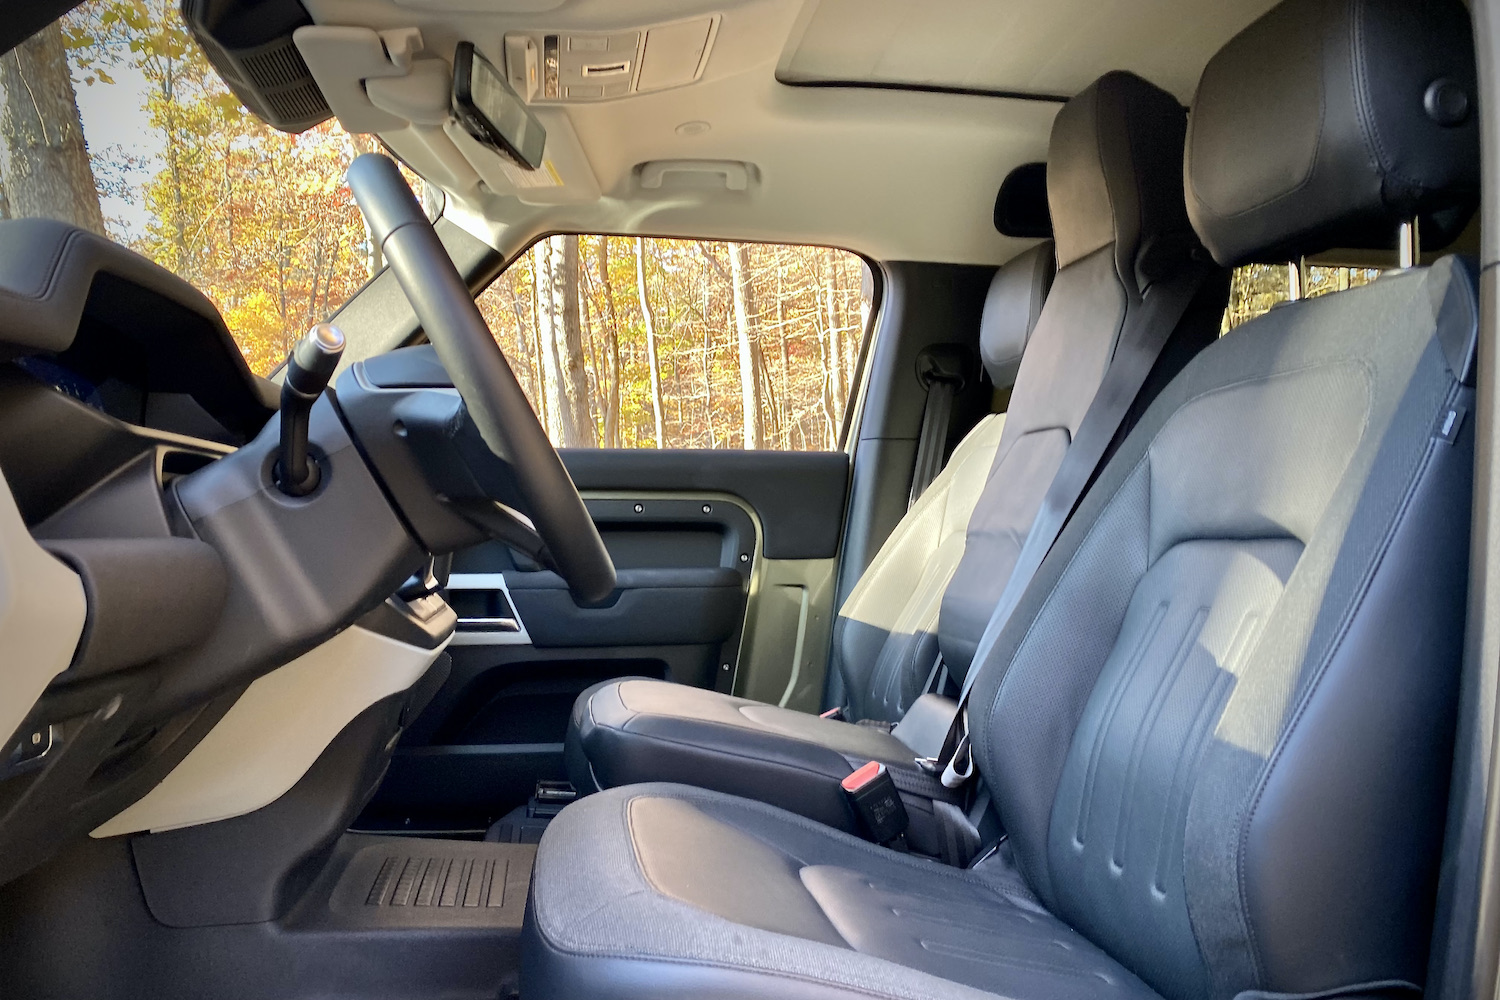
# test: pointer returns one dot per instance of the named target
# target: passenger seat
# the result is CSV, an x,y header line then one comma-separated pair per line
x,y
885,640
1120,223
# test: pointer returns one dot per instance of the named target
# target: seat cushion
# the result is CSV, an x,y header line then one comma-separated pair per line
x,y
638,730
670,891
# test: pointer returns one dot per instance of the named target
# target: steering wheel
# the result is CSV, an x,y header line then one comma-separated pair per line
x,y
479,371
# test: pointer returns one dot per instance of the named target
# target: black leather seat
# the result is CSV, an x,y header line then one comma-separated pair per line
x,y
1115,190
1218,726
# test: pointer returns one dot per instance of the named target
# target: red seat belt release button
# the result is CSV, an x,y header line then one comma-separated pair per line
x,y
874,798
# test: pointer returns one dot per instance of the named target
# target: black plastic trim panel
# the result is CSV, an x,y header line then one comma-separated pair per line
x,y
799,496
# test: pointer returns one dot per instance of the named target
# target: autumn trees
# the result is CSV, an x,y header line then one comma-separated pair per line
x,y
258,220
721,345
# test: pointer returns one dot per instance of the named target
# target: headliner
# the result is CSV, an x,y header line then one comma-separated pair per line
x,y
892,173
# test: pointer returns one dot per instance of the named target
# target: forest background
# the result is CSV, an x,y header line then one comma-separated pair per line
x,y
618,341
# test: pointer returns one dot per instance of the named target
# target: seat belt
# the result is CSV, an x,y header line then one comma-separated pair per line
x,y
1145,334
941,369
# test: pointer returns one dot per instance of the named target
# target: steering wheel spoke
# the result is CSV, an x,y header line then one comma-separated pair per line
x,y
555,523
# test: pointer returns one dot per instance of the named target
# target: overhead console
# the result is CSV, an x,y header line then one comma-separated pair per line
x,y
399,84
593,66
386,82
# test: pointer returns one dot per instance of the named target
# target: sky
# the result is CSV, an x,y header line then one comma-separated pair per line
x,y
115,122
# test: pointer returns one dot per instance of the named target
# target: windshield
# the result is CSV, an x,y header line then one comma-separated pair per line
x,y
113,120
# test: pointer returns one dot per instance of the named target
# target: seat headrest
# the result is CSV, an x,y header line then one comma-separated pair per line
x,y
1114,175
1011,308
1327,123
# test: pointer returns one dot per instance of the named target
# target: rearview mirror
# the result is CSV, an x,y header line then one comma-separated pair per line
x,y
492,112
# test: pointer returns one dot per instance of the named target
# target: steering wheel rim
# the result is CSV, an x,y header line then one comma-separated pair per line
x,y
480,372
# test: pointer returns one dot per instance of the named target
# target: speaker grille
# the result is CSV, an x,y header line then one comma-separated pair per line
x,y
296,104
280,66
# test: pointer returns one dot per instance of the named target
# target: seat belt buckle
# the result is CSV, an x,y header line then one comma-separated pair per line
x,y
874,798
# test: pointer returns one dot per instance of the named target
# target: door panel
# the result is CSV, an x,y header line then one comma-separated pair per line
x,y
650,607
798,496
726,563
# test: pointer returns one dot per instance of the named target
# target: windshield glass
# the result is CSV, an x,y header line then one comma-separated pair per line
x,y
113,120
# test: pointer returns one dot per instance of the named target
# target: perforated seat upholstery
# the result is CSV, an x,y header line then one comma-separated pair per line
x,y
1112,219
1218,727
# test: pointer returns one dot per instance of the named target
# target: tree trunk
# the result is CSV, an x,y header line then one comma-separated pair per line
x,y
786,400
746,322
586,303
45,162
612,345
825,361
547,320
835,342
523,338
534,341
182,263
708,384
649,319
564,347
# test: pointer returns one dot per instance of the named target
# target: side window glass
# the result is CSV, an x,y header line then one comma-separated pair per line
x,y
629,342
1255,288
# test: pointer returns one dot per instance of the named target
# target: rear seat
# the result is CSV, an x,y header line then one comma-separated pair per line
x,y
1115,192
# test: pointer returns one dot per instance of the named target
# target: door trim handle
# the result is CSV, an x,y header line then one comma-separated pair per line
x,y
488,631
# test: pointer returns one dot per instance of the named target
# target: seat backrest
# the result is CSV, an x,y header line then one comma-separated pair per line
x,y
886,635
1218,727
1114,186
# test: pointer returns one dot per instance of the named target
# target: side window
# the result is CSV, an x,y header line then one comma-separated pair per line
x,y
1255,288
629,342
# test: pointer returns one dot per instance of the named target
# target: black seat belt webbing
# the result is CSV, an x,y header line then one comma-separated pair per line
x,y
942,369
930,439
1145,334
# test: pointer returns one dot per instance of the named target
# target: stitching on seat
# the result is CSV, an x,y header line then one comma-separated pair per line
x,y
646,876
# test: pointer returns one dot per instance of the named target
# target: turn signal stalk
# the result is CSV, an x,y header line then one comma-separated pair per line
x,y
309,368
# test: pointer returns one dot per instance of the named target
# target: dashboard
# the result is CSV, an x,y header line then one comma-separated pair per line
x,y
114,331
136,448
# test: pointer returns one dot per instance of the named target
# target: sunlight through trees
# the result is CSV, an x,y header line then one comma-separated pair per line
x,y
712,344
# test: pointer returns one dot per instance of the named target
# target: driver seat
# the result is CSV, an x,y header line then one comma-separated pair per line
x,y
1218,726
